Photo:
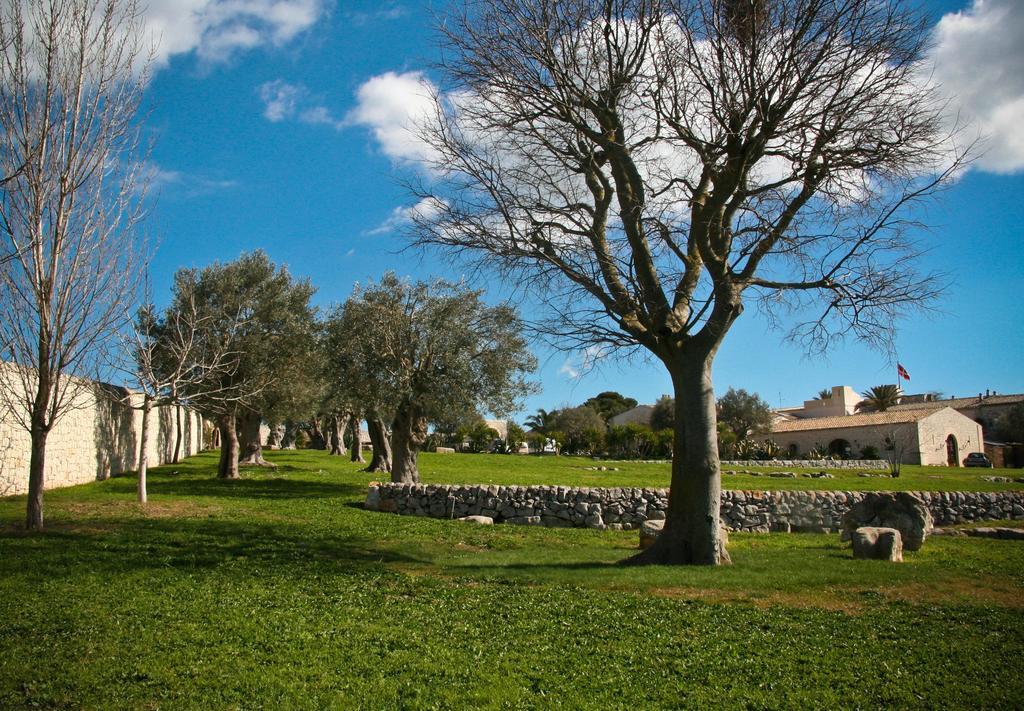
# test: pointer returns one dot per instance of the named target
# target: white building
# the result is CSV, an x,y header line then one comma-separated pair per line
x,y
941,437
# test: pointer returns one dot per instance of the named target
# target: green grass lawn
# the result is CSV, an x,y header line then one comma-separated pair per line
x,y
575,471
279,591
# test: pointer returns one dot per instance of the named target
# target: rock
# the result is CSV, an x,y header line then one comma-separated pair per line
x,y
480,520
649,531
524,520
594,521
1013,534
372,502
878,543
900,510
445,450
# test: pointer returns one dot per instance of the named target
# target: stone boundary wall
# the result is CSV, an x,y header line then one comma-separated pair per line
x,y
627,508
809,463
97,439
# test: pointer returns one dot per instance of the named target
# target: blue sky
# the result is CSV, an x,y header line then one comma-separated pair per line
x,y
274,127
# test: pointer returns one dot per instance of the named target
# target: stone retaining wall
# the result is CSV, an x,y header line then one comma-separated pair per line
x,y
809,463
627,508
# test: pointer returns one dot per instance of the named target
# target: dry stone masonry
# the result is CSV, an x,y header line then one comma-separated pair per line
x,y
809,463
628,508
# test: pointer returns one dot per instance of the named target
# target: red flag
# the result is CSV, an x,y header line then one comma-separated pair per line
x,y
902,372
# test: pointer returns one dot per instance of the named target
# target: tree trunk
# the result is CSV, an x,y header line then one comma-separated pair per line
x,y
36,478
178,427
252,448
147,408
692,534
274,437
357,438
38,432
289,436
228,468
336,429
408,433
316,435
381,459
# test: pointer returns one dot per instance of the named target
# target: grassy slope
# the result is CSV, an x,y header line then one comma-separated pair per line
x,y
504,469
279,591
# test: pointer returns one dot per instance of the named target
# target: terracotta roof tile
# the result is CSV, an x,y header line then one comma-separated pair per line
x,y
889,417
962,402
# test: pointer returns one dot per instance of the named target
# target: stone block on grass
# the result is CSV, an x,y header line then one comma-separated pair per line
x,y
900,510
877,543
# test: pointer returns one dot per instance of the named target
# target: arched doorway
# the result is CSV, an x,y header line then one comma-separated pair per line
x,y
840,448
952,452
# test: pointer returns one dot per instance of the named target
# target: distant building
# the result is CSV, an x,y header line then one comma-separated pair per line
x,y
985,409
499,426
639,415
935,435
843,401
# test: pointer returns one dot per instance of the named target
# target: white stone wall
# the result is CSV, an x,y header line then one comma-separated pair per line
x,y
934,429
858,437
97,439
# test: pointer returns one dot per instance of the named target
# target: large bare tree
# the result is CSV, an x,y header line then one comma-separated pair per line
x,y
70,87
647,168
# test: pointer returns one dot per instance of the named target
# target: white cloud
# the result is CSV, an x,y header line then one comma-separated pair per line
x,y
575,368
279,100
161,181
569,370
217,30
426,209
283,101
392,106
979,61
387,11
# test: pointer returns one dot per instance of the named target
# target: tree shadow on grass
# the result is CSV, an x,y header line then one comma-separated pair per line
x,y
190,544
255,489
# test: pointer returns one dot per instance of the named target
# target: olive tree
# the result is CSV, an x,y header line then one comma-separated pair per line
x,y
426,349
260,312
70,89
345,399
745,413
648,168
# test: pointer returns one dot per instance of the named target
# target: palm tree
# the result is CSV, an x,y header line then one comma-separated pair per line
x,y
541,421
880,398
824,395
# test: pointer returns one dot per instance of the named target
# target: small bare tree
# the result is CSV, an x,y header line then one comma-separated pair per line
x,y
70,89
170,356
647,168
897,442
